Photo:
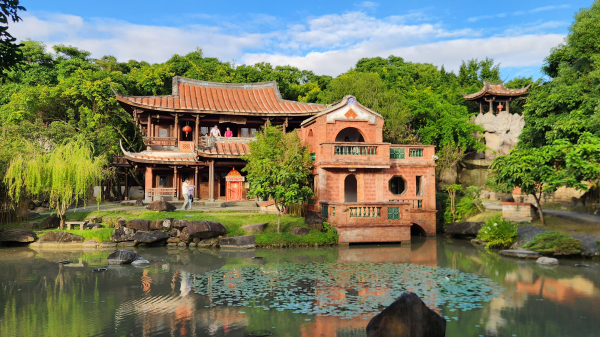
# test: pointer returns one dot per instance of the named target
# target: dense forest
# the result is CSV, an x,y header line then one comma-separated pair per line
x,y
57,94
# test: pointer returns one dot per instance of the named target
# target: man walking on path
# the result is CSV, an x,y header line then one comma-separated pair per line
x,y
184,191
190,193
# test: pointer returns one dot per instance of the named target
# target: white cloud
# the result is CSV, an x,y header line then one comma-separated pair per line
x,y
517,13
328,44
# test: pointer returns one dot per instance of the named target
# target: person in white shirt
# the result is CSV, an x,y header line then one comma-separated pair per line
x,y
184,190
215,132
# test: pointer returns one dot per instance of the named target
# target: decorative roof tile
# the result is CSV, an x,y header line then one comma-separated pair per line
x,y
496,89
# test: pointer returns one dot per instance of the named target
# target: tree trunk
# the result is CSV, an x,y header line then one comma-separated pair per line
x,y
452,195
477,205
278,217
539,207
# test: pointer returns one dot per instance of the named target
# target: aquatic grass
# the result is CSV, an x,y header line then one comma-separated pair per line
x,y
345,290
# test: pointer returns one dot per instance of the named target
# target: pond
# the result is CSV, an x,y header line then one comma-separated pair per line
x,y
292,292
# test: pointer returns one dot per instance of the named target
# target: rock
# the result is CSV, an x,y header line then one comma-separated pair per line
x,y
126,244
299,231
122,257
150,237
139,202
167,223
17,235
93,219
493,196
185,235
173,240
179,223
156,225
94,226
31,226
526,234
244,242
58,236
205,229
448,176
140,262
108,245
90,244
520,253
192,244
408,316
547,260
121,221
121,234
463,228
207,243
172,245
181,244
52,221
313,221
161,206
507,198
139,224
589,242
257,227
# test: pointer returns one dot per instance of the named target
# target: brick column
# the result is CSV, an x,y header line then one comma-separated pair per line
x,y
148,183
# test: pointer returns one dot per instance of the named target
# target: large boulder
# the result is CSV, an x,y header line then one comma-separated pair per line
x,y
150,237
520,253
122,257
139,224
408,316
185,236
179,223
314,221
205,229
93,219
61,237
17,235
589,242
52,221
121,234
527,233
463,228
161,206
243,242
156,225
257,227
167,223
299,231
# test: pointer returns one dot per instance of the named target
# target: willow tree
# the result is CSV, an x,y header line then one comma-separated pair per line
x,y
65,174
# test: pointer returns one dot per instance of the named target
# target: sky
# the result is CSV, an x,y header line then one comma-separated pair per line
x,y
327,37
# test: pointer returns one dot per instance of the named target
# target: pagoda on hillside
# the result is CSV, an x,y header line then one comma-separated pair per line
x,y
495,92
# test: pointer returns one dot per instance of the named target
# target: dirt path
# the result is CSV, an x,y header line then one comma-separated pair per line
x,y
572,215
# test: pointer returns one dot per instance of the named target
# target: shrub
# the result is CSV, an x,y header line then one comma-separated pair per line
x,y
465,208
498,233
555,243
331,233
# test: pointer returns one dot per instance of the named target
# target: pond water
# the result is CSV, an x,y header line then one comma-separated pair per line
x,y
292,292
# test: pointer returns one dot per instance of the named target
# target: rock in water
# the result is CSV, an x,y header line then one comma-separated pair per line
x,y
150,237
520,253
408,316
463,228
140,262
205,229
299,231
185,235
161,206
17,235
241,242
50,222
121,234
255,228
139,224
57,236
547,260
122,257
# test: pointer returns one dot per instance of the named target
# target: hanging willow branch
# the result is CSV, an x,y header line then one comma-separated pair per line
x,y
65,174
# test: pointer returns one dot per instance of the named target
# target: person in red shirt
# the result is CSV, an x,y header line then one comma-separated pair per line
x,y
228,133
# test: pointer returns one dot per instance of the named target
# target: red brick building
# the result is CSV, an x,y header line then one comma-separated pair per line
x,y
369,190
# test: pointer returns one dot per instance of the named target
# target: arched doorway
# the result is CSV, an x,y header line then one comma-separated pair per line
x,y
416,230
350,135
350,186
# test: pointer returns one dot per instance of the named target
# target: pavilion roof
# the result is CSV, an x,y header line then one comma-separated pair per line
x,y
189,95
496,89
160,157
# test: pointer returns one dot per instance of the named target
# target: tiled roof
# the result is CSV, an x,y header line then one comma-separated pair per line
x,y
161,157
243,98
497,89
226,149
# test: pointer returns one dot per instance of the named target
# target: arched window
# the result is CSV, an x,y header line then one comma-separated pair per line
x,y
350,188
350,135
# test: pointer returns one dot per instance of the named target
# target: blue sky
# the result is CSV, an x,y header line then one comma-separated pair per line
x,y
327,37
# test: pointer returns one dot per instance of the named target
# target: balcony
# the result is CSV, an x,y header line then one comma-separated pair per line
x,y
160,141
353,155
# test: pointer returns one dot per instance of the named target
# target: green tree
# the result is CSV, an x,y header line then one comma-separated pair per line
x,y
452,189
9,50
278,168
66,174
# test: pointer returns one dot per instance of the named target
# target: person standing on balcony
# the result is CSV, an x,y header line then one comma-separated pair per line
x,y
184,191
215,132
228,133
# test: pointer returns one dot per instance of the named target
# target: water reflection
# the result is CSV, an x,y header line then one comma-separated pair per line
x,y
41,298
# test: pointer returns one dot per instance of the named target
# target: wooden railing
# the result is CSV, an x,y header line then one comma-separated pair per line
x,y
164,141
187,146
355,150
162,191
209,141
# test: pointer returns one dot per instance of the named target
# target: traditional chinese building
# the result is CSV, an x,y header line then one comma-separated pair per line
x,y
371,191
495,92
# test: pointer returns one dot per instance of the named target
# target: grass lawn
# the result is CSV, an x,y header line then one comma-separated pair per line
x,y
567,226
483,217
232,220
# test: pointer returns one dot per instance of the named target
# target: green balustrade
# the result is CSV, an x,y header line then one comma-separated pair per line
x,y
347,150
415,152
396,153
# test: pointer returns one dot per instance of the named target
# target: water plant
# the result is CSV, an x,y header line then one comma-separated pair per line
x,y
498,233
555,243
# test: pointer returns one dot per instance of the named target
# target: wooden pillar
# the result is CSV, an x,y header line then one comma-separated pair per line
x,y
211,180
148,182
480,108
285,124
126,184
196,185
491,106
178,134
508,106
197,135
176,183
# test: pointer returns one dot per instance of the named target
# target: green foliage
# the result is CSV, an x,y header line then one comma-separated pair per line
x,y
279,168
9,49
555,243
331,233
498,233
